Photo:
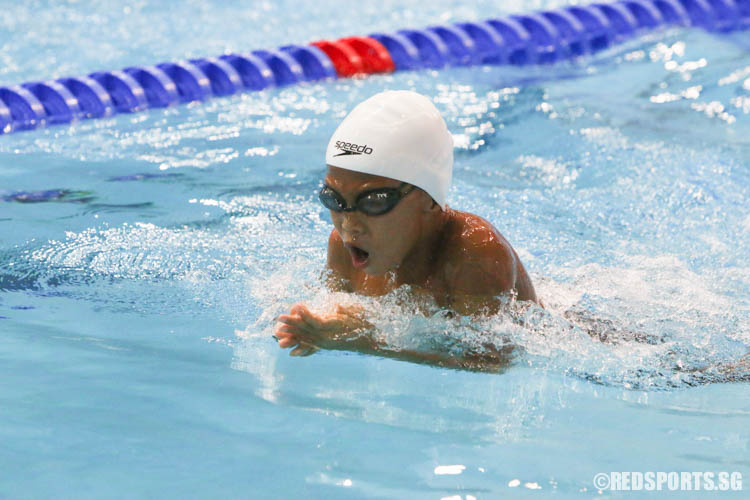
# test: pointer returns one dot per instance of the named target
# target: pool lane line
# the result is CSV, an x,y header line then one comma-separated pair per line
x,y
543,37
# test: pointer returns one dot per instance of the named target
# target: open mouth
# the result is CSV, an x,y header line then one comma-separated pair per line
x,y
359,256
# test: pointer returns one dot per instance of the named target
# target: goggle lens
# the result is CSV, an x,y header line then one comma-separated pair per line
x,y
375,202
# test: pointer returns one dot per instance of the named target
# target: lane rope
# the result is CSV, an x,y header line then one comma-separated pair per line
x,y
544,37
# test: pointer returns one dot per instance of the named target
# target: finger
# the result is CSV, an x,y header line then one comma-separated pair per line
x,y
299,329
299,309
298,322
303,312
286,331
303,350
301,335
287,342
283,336
285,339
311,320
285,328
289,318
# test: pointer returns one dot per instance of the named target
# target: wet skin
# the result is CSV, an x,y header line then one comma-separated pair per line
x,y
457,258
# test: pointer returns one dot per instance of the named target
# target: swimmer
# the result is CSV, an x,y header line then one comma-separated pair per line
x,y
389,169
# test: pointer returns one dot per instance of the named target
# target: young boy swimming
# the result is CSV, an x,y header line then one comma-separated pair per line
x,y
390,165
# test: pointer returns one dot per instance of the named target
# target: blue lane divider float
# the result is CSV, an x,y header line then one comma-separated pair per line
x,y
489,46
598,29
461,46
646,14
254,72
60,105
159,88
192,83
521,47
571,30
314,62
404,53
535,38
222,77
545,38
621,19
127,95
93,100
5,118
286,70
26,111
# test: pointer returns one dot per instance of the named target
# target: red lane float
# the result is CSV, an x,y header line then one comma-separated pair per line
x,y
345,59
375,57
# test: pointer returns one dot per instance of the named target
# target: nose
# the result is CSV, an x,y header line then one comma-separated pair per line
x,y
351,223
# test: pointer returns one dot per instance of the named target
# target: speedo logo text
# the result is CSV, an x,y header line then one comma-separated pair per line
x,y
347,148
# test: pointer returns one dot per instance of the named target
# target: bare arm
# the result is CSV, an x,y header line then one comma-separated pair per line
x,y
348,330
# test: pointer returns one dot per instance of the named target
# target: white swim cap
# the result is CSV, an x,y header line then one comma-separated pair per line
x,y
397,134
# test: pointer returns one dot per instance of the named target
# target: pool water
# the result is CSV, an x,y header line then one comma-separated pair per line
x,y
144,257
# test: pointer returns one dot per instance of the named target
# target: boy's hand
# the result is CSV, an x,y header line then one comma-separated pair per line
x,y
309,331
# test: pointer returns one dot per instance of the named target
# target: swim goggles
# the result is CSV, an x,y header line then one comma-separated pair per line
x,y
371,202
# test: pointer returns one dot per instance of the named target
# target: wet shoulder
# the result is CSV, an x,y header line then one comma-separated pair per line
x,y
470,235
477,258
481,260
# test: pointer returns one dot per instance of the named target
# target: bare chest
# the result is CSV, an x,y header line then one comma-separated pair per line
x,y
433,286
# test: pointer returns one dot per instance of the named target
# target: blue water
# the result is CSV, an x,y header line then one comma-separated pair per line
x,y
137,303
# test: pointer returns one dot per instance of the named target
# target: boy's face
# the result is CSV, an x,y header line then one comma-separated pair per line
x,y
389,238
